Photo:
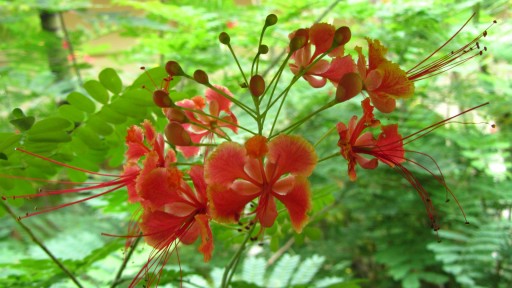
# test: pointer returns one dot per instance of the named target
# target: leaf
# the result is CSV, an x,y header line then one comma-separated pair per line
x,y
23,124
96,91
50,124
106,113
82,102
8,140
139,97
71,113
128,108
110,80
53,136
89,137
99,126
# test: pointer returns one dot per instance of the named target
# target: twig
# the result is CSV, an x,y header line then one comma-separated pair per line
x,y
123,265
41,245
70,47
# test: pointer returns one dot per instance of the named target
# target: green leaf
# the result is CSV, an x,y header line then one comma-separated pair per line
x,y
51,124
139,97
99,126
111,116
71,113
17,113
96,91
153,77
23,123
82,102
89,137
53,136
110,80
8,140
126,107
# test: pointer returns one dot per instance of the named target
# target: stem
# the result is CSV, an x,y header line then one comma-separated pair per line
x,y
329,157
123,265
41,245
298,123
71,50
234,261
325,136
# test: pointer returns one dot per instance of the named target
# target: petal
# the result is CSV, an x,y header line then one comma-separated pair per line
x,y
376,53
225,164
321,35
382,102
315,82
149,131
197,175
395,82
226,205
221,101
206,246
159,228
132,169
245,188
373,80
159,186
339,67
291,154
366,163
191,234
390,146
179,209
267,211
284,185
256,146
253,170
361,63
298,203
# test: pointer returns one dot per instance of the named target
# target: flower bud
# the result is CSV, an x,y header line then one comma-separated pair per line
x,y
176,115
263,49
299,39
174,69
257,85
177,135
349,86
341,36
224,38
271,20
162,99
201,77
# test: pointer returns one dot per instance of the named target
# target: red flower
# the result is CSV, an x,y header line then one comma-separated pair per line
x,y
173,213
201,125
384,80
387,148
321,36
238,174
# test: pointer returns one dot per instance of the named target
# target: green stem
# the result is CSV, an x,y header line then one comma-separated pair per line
x,y
298,123
41,245
325,135
329,157
226,277
125,261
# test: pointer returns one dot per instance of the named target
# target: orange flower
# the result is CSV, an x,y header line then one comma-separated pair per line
x,y
384,80
277,169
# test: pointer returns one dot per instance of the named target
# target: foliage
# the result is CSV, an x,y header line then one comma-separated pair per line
x,y
370,233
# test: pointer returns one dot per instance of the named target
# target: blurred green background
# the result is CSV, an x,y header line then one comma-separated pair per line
x,y
370,233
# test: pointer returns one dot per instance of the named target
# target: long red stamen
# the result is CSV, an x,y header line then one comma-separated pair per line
x,y
64,165
450,60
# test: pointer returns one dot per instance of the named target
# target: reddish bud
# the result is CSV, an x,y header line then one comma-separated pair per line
x,y
162,99
174,69
177,135
299,40
341,36
257,85
176,114
256,146
349,86
201,77
224,38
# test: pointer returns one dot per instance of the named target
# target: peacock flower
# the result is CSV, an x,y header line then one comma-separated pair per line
x,y
267,170
321,37
388,148
384,80
201,124
173,213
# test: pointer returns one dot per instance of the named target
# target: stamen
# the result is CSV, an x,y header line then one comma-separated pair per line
x,y
451,60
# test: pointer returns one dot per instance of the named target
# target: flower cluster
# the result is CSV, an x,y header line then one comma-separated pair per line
x,y
229,182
